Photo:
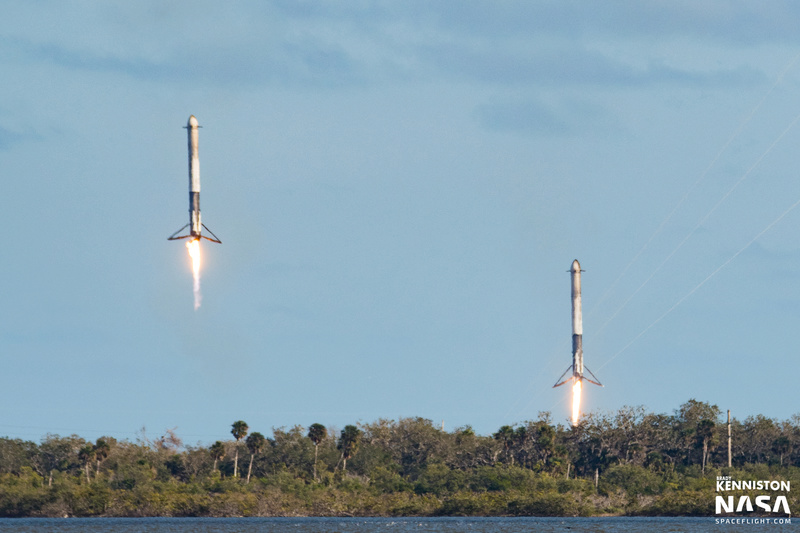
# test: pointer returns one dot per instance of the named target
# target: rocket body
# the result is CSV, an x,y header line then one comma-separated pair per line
x,y
577,321
195,225
576,370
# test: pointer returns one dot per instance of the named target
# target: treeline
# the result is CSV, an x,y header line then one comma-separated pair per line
x,y
629,462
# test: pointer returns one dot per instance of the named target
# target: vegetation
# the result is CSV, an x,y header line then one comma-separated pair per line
x,y
239,431
255,443
317,433
626,463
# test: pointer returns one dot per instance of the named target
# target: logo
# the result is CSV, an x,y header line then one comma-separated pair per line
x,y
761,497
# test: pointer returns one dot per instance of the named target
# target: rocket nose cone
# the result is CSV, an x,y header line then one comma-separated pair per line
x,y
576,267
192,122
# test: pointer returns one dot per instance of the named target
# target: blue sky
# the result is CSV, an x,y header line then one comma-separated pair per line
x,y
400,188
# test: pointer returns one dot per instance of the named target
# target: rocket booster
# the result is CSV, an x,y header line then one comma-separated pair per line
x,y
577,333
577,320
194,177
195,224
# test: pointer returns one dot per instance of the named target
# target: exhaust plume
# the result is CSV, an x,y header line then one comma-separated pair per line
x,y
194,252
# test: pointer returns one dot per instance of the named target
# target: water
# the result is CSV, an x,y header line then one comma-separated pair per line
x,y
387,525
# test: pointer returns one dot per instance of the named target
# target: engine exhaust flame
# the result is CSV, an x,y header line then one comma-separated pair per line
x,y
576,402
194,252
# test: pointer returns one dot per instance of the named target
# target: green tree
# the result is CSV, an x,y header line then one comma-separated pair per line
x,y
58,454
349,440
705,432
689,416
760,433
505,436
86,455
101,451
410,442
217,451
545,443
255,443
317,433
782,446
239,431
694,411
16,454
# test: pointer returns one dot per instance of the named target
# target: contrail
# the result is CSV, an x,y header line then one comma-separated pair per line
x,y
714,273
701,222
713,162
720,152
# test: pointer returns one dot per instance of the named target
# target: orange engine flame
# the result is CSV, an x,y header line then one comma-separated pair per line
x,y
576,402
194,252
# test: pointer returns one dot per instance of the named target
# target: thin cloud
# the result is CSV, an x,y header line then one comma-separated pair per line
x,y
523,117
720,21
306,62
569,65
9,138
333,44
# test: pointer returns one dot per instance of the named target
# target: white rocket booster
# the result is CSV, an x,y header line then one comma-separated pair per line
x,y
195,224
577,333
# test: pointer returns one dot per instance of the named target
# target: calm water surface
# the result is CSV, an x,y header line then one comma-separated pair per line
x,y
387,525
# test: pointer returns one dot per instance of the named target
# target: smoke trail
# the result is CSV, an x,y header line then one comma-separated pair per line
x,y
194,252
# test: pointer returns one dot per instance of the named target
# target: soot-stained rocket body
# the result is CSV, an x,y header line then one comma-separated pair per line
x,y
195,224
577,333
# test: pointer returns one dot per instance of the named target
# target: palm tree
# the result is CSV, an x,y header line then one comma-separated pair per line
x,y
101,449
255,443
348,443
86,455
317,433
239,431
217,451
